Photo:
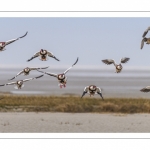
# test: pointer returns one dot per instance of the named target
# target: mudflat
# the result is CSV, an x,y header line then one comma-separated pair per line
x,y
48,122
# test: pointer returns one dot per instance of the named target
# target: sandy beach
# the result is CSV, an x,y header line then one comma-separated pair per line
x,y
30,122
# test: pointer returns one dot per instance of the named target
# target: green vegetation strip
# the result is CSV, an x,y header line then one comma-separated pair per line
x,y
12,103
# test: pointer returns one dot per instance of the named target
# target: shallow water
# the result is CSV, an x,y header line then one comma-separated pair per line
x,y
125,84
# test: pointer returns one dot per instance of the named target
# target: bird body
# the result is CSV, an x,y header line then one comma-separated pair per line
x,y
118,68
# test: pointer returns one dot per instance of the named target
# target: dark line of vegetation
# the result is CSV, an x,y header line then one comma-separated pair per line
x,y
13,103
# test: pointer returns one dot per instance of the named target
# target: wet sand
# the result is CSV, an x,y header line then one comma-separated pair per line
x,y
30,122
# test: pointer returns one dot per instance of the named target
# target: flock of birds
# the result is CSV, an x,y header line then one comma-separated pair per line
x,y
62,79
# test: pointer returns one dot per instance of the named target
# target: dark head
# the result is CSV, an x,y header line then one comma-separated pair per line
x,y
20,82
92,88
26,69
43,52
119,67
61,76
145,39
2,45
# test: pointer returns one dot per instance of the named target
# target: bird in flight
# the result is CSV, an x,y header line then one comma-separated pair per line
x,y
43,55
145,40
62,79
3,44
146,89
19,84
26,71
118,66
92,90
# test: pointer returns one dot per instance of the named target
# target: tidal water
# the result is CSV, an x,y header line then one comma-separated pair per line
x,y
125,84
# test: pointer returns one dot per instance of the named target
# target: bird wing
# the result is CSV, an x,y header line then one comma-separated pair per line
x,y
16,75
99,92
145,32
8,84
109,61
85,91
2,84
33,78
35,55
38,68
11,83
142,43
13,40
23,35
71,66
124,60
10,41
51,55
146,89
51,74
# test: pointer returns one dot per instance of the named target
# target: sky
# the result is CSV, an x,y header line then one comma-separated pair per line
x,y
90,39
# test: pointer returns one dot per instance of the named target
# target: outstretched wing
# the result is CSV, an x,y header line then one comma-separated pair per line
x,y
142,43
71,66
13,40
51,55
23,35
16,75
124,60
33,78
146,89
99,92
8,84
51,74
85,91
145,32
109,61
38,68
35,55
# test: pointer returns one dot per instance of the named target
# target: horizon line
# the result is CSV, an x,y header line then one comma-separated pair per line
x,y
85,67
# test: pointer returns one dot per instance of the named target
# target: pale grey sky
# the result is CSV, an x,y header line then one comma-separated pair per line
x,y
90,39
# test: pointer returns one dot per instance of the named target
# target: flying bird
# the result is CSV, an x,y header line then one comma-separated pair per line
x,y
62,79
19,84
43,55
92,90
26,71
145,32
146,40
118,67
146,89
3,44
